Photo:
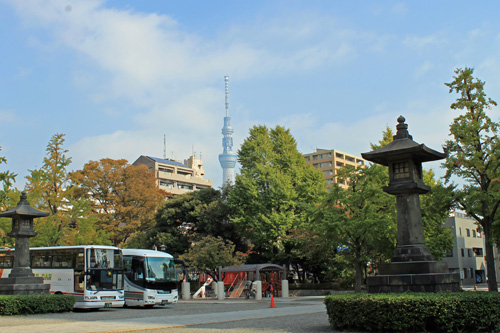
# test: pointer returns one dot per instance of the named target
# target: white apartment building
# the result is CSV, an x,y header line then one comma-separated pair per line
x,y
176,177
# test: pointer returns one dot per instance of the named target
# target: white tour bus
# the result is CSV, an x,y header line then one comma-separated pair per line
x,y
92,273
150,278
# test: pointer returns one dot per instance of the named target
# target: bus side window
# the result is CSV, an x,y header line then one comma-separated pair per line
x,y
138,270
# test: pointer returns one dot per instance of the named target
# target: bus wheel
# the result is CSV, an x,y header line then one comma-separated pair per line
x,y
149,306
58,293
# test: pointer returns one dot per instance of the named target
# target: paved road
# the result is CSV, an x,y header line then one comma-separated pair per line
x,y
296,314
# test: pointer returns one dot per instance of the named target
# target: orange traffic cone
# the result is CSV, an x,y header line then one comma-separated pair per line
x,y
272,298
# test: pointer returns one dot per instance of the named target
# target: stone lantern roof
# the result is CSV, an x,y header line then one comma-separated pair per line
x,y
403,146
24,209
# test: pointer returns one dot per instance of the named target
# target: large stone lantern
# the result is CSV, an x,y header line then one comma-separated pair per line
x,y
412,268
21,280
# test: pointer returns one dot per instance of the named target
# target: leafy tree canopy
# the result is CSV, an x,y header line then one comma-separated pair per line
x,y
474,157
122,197
207,254
6,179
361,218
274,192
191,216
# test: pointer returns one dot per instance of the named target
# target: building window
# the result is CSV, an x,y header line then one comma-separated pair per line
x,y
463,252
340,164
308,158
328,155
469,252
468,232
401,170
449,253
360,162
460,229
329,181
315,157
478,251
350,159
338,155
328,173
473,233
166,183
471,272
329,164
465,273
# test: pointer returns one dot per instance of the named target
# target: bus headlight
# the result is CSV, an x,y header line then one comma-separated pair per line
x,y
91,297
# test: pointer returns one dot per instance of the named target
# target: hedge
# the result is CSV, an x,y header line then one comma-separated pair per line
x,y
415,312
31,304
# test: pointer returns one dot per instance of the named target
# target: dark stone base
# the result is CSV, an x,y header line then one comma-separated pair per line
x,y
399,283
413,267
416,276
415,252
26,285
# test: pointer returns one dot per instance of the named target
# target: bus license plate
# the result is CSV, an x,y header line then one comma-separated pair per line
x,y
107,305
164,302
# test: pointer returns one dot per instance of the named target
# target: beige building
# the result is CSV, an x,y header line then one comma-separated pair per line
x,y
468,255
176,177
328,161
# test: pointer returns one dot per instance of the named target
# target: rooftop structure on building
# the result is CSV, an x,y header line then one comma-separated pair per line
x,y
228,158
176,177
329,160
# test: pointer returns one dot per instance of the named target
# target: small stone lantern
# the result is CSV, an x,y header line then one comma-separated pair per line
x,y
21,279
413,267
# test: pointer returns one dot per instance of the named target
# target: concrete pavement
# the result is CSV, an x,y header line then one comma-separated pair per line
x,y
213,312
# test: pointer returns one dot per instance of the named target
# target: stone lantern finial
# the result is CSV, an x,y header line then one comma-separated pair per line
x,y
402,130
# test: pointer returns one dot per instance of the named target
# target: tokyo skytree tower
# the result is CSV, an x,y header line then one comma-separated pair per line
x,y
228,158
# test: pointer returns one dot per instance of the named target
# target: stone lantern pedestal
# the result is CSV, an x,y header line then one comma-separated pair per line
x,y
413,267
21,280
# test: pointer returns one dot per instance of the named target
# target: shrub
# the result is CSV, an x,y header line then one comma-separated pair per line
x,y
415,312
31,304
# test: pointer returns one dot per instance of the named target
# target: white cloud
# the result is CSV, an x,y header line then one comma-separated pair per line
x,y
7,116
423,69
421,43
399,10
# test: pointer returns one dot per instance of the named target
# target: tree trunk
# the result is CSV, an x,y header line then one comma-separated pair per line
x,y
490,259
358,269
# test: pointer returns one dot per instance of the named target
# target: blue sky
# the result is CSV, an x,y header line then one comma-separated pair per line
x,y
116,76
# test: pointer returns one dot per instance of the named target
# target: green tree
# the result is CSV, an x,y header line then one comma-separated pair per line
x,y
192,216
207,254
274,192
474,157
361,219
6,179
436,207
124,198
48,190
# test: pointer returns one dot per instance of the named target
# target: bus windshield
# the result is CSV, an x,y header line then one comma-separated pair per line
x,y
160,269
105,259
106,270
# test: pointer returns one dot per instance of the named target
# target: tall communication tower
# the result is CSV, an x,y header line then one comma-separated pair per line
x,y
228,158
